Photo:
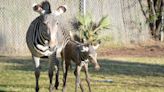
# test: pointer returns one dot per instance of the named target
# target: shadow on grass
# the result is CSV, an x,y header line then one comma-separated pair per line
x,y
23,64
114,67
3,88
15,87
108,67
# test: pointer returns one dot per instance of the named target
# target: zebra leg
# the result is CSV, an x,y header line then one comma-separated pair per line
x,y
77,74
54,63
65,72
50,73
57,73
81,86
37,72
87,76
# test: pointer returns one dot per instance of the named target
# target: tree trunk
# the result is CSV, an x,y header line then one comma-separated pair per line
x,y
162,21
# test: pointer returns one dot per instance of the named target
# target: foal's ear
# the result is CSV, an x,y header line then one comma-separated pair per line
x,y
60,10
38,8
96,45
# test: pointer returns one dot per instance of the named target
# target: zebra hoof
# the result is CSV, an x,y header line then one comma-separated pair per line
x,y
56,85
51,88
36,89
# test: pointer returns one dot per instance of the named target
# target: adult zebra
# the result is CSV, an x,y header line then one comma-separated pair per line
x,y
45,37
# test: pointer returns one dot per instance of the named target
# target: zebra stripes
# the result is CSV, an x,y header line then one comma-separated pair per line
x,y
81,54
45,36
37,34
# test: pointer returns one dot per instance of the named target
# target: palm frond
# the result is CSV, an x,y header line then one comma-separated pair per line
x,y
89,30
84,20
103,24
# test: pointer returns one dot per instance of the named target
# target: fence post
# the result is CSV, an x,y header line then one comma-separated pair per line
x,y
82,13
83,7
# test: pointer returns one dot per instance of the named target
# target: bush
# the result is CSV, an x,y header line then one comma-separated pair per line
x,y
89,30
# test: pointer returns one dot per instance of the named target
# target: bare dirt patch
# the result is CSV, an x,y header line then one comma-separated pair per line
x,y
150,50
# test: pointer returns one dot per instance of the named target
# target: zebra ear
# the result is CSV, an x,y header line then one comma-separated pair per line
x,y
60,10
95,46
38,8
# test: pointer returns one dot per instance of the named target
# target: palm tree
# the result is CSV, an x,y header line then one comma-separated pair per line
x,y
89,30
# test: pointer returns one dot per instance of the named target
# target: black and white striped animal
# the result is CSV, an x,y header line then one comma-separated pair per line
x,y
81,54
45,37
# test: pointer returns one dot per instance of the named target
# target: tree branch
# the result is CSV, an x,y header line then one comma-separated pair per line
x,y
142,9
162,20
153,16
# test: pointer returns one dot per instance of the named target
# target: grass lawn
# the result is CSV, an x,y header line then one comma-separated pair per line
x,y
128,74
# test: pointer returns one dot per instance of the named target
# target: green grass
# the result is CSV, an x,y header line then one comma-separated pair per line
x,y
128,75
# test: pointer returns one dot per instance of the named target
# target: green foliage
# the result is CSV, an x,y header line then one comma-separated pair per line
x,y
153,18
89,29
153,15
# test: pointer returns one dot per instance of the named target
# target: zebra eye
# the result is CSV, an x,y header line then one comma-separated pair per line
x,y
90,57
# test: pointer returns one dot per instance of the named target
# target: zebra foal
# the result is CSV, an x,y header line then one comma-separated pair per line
x,y
80,54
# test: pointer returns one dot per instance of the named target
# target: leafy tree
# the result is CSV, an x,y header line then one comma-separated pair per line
x,y
154,15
